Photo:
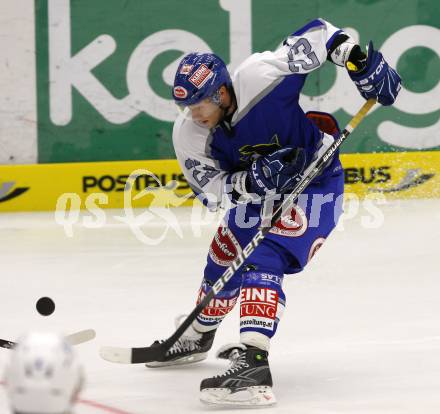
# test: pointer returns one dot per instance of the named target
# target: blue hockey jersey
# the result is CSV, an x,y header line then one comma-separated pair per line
x,y
268,116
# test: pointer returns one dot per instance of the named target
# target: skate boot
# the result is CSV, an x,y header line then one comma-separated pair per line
x,y
191,347
246,383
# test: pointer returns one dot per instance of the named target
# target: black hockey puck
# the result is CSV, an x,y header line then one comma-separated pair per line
x,y
45,306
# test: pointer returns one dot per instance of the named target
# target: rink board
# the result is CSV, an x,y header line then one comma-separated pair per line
x,y
159,183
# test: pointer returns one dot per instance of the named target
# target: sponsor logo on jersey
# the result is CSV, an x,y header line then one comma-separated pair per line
x,y
249,152
292,224
8,193
180,92
316,245
258,307
186,69
201,76
224,248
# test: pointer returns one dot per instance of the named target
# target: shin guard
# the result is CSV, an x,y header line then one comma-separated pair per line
x,y
262,303
217,309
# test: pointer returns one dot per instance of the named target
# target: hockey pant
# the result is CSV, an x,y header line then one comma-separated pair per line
x,y
286,249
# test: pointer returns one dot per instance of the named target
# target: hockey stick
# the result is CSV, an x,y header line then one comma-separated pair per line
x,y
157,351
73,339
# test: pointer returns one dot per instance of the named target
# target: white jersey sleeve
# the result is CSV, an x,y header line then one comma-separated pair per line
x,y
306,49
301,53
192,144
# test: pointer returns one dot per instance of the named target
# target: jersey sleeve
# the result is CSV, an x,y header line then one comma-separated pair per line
x,y
301,52
203,173
307,49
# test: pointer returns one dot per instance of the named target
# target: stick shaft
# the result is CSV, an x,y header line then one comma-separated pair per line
x,y
308,175
73,339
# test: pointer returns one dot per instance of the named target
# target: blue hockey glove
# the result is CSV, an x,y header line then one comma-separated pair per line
x,y
277,172
377,79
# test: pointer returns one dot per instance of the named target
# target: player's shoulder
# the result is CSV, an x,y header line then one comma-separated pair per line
x,y
311,26
255,65
188,136
256,72
256,77
318,32
271,58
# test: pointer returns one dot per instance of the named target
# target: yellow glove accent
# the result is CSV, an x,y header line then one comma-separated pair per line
x,y
351,67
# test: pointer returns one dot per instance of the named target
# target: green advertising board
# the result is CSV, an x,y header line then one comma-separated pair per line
x,y
104,68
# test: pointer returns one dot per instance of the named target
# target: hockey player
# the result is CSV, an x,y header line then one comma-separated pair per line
x,y
43,375
244,140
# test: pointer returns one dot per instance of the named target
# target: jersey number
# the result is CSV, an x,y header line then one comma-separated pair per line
x,y
302,46
202,173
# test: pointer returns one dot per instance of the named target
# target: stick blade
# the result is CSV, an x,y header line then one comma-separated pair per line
x,y
81,337
7,344
115,354
153,353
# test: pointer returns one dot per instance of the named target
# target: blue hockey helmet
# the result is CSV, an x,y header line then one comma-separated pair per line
x,y
199,76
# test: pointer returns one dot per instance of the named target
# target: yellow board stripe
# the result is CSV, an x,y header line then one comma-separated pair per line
x,y
39,187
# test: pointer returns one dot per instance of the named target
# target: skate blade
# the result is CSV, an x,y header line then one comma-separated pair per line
x,y
249,397
191,359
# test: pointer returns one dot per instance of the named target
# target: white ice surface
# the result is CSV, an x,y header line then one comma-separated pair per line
x,y
361,332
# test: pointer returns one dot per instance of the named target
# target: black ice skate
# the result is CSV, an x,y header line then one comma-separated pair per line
x,y
246,383
191,347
